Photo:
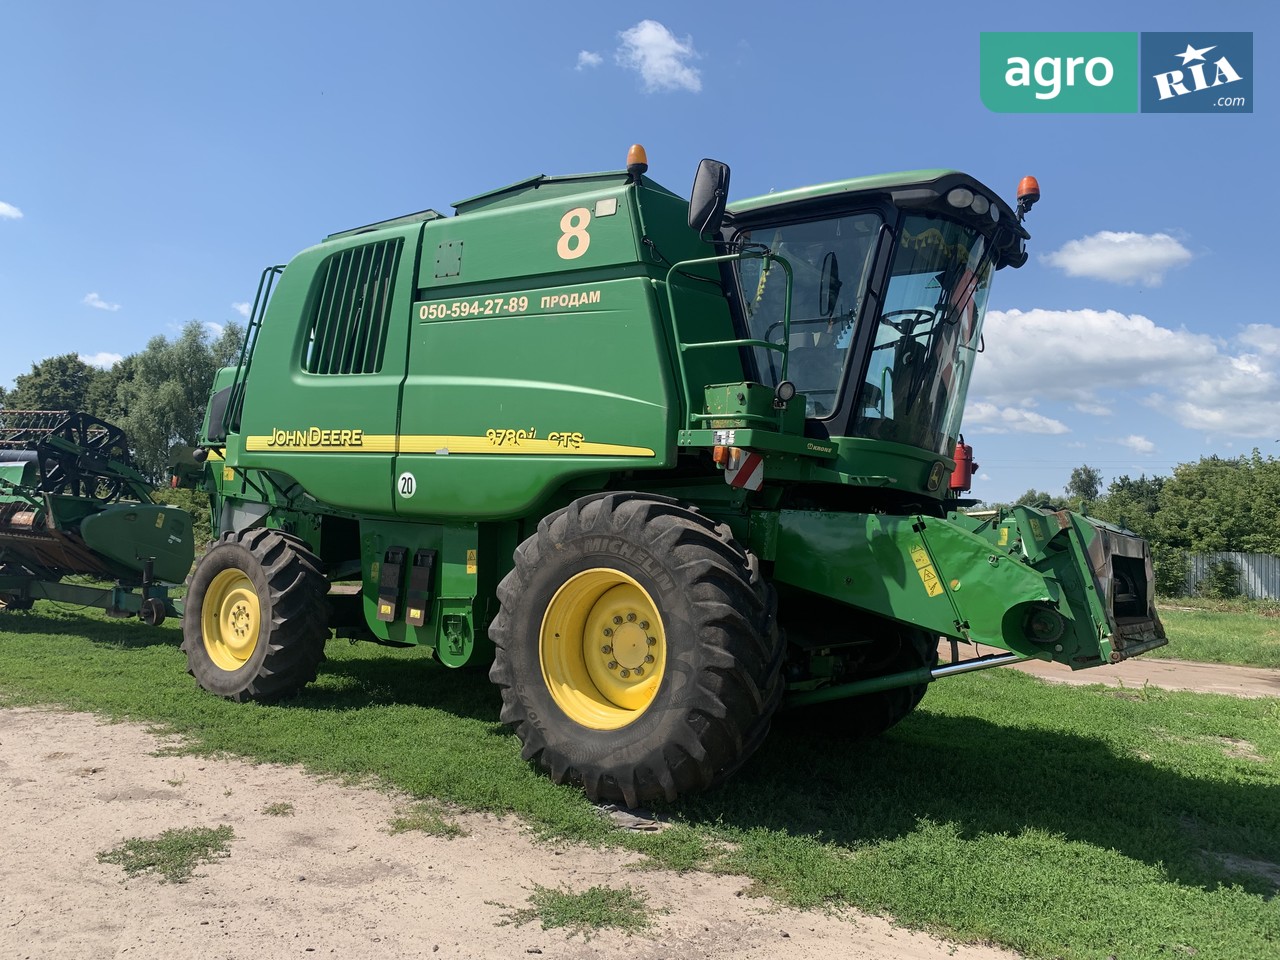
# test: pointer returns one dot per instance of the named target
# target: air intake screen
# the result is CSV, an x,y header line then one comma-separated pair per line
x,y
349,321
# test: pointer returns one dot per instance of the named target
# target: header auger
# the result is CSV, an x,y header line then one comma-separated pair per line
x,y
665,466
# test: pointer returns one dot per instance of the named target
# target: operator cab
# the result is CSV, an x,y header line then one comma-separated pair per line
x,y
889,278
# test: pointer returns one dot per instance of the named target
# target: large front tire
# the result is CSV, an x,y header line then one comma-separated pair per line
x,y
637,649
256,619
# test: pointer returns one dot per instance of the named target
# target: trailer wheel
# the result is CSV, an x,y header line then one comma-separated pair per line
x,y
256,618
15,601
868,716
637,649
151,612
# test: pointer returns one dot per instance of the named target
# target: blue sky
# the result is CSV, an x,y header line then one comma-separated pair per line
x,y
154,157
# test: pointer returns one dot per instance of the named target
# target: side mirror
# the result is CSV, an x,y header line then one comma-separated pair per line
x,y
708,198
829,285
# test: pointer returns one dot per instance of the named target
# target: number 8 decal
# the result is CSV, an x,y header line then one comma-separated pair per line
x,y
574,238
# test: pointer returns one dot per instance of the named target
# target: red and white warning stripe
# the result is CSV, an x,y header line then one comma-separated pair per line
x,y
746,471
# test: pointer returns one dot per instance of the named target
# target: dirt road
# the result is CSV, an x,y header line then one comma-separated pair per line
x,y
1168,674
330,879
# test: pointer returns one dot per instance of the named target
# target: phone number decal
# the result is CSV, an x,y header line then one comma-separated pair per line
x,y
486,307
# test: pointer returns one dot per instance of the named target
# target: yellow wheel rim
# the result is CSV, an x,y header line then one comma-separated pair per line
x,y
603,649
230,619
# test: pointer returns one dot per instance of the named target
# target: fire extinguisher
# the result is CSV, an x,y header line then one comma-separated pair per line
x,y
962,476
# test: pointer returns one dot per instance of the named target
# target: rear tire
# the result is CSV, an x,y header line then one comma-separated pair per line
x,y
256,618
637,649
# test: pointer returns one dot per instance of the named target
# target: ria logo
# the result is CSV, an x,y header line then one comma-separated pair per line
x,y
1172,84
1200,73
1116,72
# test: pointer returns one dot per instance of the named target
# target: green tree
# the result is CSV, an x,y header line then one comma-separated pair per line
x,y
162,400
1223,504
1084,485
103,397
56,383
1038,498
1132,504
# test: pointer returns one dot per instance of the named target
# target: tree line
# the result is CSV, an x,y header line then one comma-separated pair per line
x,y
157,396
1215,505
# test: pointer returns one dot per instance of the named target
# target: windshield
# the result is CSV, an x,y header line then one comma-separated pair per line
x,y
829,262
927,336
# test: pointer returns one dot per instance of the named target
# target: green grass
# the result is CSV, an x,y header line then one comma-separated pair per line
x,y
426,817
279,809
594,909
1221,632
174,854
1060,822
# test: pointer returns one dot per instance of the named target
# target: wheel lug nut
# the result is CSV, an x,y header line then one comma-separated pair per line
x,y
639,671
644,624
631,618
608,631
651,641
607,648
613,664
617,620
625,673
648,658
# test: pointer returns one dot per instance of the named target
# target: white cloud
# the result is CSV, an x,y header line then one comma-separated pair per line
x,y
659,57
588,59
990,418
1263,338
215,329
1120,257
1137,443
103,360
1092,409
1093,358
9,212
1080,356
93,300
242,309
1236,395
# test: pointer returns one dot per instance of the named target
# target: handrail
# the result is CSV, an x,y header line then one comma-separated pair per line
x,y
682,347
235,401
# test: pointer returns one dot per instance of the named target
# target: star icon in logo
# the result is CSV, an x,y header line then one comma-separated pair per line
x,y
1191,53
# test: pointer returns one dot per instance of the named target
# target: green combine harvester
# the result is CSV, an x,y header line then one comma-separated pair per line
x,y
665,466
72,505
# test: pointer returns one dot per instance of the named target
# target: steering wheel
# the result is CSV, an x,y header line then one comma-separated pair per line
x,y
920,315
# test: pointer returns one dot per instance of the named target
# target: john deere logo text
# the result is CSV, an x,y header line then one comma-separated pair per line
x,y
315,437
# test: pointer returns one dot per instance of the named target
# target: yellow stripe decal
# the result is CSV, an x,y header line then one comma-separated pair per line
x,y
562,445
